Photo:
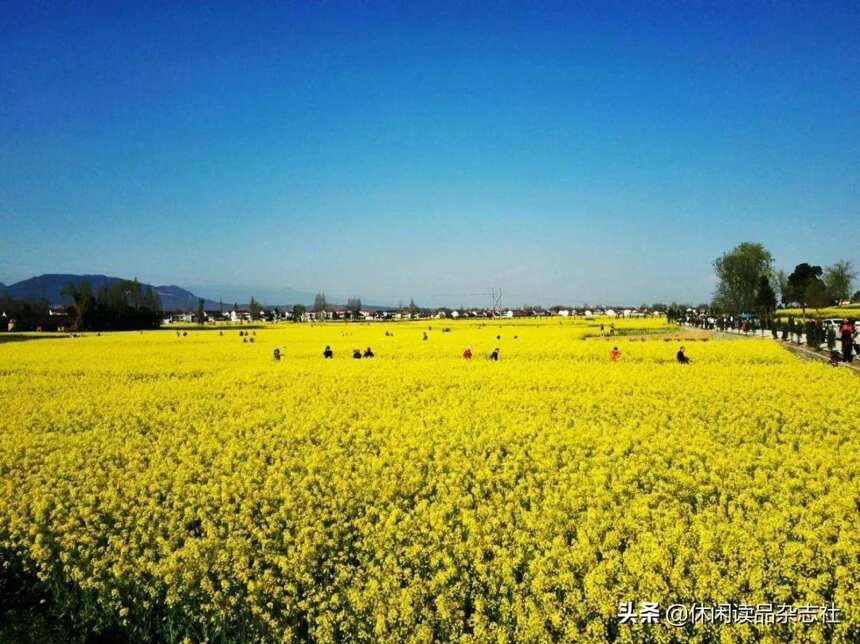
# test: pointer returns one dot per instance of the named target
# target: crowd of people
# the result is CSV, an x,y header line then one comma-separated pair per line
x,y
840,337
494,356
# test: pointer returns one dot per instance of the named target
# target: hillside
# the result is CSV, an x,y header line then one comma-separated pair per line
x,y
48,287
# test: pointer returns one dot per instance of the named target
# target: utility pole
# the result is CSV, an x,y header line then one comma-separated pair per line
x,y
496,301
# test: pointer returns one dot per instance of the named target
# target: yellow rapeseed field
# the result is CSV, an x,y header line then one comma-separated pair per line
x,y
851,311
191,487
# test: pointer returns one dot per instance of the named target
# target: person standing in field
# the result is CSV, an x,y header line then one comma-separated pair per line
x,y
681,357
614,354
857,338
602,331
494,356
276,354
328,353
467,354
368,353
847,337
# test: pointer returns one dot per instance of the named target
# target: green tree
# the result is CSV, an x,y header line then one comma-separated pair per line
x,y
121,305
765,298
816,294
780,280
83,302
739,272
799,282
839,278
201,314
255,309
353,305
298,311
320,303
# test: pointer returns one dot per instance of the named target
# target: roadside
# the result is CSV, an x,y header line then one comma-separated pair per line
x,y
808,354
798,350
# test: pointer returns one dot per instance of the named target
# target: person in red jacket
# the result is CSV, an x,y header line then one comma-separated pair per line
x,y
846,332
467,354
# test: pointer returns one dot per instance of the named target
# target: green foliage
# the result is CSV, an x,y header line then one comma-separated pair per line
x,y
27,314
739,272
353,305
119,306
838,279
255,309
320,303
799,283
765,297
816,295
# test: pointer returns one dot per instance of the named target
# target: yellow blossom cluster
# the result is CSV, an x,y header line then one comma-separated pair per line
x,y
192,486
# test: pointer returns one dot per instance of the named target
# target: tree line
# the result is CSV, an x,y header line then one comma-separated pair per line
x,y
119,306
747,282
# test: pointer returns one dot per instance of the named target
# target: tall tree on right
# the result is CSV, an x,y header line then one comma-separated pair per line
x,y
804,284
255,309
839,278
739,273
319,303
353,305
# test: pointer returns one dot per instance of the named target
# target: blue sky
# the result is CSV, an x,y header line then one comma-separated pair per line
x,y
570,153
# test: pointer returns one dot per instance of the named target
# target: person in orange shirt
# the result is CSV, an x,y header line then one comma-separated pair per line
x,y
614,354
467,354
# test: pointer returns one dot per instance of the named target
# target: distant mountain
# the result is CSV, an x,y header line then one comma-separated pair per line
x,y
173,298
48,287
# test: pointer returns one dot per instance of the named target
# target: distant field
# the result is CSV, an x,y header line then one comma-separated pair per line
x,y
192,487
852,310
